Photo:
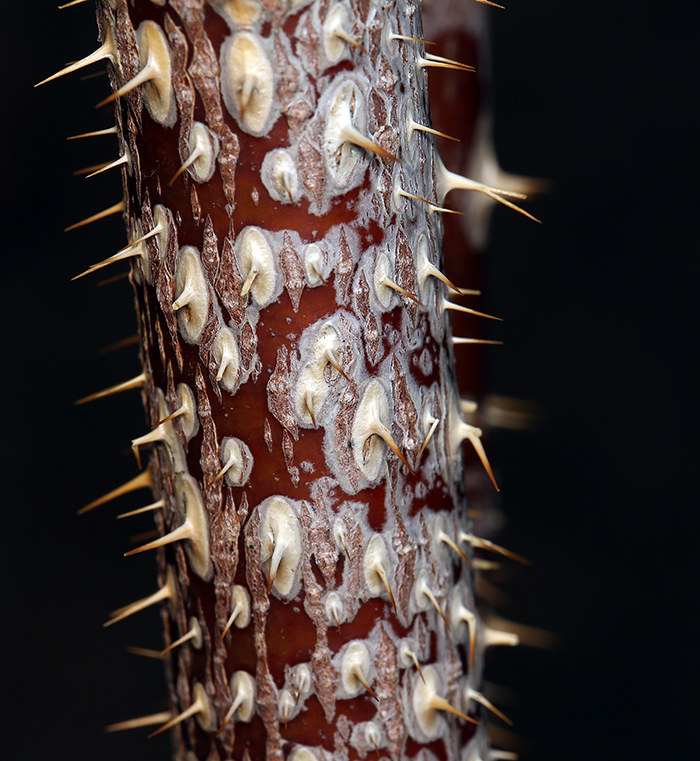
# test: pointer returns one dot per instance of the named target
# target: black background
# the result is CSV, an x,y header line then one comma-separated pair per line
x,y
600,327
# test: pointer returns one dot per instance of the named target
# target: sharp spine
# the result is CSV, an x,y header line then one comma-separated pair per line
x,y
144,480
135,382
116,209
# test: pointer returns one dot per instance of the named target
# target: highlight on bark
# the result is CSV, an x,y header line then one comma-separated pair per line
x,y
285,207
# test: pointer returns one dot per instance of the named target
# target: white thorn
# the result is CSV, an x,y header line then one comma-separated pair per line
x,y
106,50
113,164
201,707
95,133
448,181
142,721
166,592
147,509
136,382
479,698
354,669
243,705
281,545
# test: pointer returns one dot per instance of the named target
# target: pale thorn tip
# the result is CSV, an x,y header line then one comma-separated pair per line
x,y
193,633
303,676
309,402
513,414
243,690
365,684
493,5
445,539
142,721
466,310
281,546
343,35
341,537
448,181
409,39
413,125
426,702
518,634
479,698
95,133
240,614
166,592
68,5
458,613
376,562
336,619
234,614
385,434
147,509
352,135
426,62
153,436
200,705
179,411
150,234
391,284
277,556
385,581
184,298
144,480
495,638
486,565
468,292
435,701
411,654
87,169
431,269
249,281
486,544
116,209
368,423
111,165
335,364
355,666
474,434
460,341
424,589
420,670
127,253
431,206
221,473
449,61
185,531
434,422
135,248
196,153
150,71
286,706
467,406
106,50
136,382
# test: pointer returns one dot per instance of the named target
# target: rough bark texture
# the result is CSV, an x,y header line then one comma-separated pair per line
x,y
299,371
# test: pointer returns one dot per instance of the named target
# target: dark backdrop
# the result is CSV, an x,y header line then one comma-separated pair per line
x,y
600,328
